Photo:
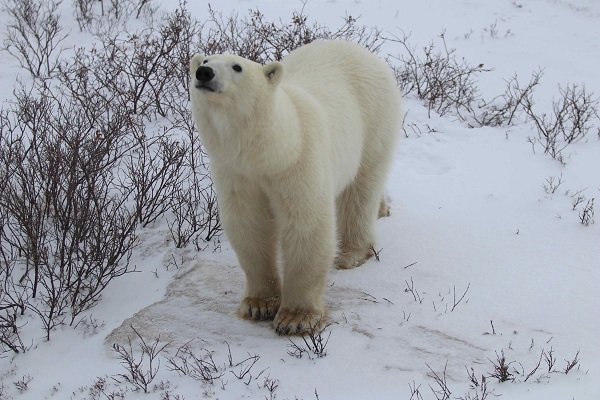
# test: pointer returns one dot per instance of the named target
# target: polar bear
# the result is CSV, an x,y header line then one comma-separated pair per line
x,y
299,152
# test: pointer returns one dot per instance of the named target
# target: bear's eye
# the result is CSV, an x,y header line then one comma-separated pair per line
x,y
237,68
204,62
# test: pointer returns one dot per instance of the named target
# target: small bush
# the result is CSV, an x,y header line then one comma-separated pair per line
x,y
63,220
153,172
33,34
142,69
315,343
10,339
104,17
574,114
187,363
446,84
80,170
586,216
478,386
140,370
502,368
504,109
22,384
257,39
440,390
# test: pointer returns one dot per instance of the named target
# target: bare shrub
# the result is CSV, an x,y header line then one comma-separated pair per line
x,y
503,371
84,12
101,389
552,184
441,390
75,154
547,361
140,370
136,69
410,288
170,396
22,384
415,392
187,363
271,385
571,363
577,198
187,31
446,84
12,303
504,109
90,325
147,73
245,367
146,70
257,39
501,368
586,216
449,86
106,16
65,223
153,171
478,386
33,34
573,115
195,214
10,339
315,343
456,302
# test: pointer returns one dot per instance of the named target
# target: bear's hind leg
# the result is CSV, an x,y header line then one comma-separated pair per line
x,y
358,207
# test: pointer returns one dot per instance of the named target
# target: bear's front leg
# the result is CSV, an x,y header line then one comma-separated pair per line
x,y
250,227
308,244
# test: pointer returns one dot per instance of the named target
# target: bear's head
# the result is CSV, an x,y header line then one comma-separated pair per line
x,y
227,79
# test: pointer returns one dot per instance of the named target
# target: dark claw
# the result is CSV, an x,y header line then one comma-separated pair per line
x,y
250,310
299,328
283,330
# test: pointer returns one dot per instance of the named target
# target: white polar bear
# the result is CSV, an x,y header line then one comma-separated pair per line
x,y
299,152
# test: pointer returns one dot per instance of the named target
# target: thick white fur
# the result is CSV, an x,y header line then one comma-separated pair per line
x,y
299,152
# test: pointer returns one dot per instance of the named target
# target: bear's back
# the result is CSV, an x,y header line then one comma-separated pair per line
x,y
348,81
328,62
355,90
335,71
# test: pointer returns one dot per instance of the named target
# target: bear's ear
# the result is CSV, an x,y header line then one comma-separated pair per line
x,y
273,72
195,62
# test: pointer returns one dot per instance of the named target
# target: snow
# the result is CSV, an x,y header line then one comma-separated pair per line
x,y
469,214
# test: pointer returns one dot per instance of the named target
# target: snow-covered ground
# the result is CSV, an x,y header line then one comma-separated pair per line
x,y
470,217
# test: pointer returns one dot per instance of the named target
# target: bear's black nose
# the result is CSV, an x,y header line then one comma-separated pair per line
x,y
204,74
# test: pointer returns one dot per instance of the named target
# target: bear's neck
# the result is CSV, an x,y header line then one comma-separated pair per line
x,y
265,141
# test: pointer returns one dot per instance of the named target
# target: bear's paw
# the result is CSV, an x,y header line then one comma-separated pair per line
x,y
348,259
384,209
259,309
299,322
